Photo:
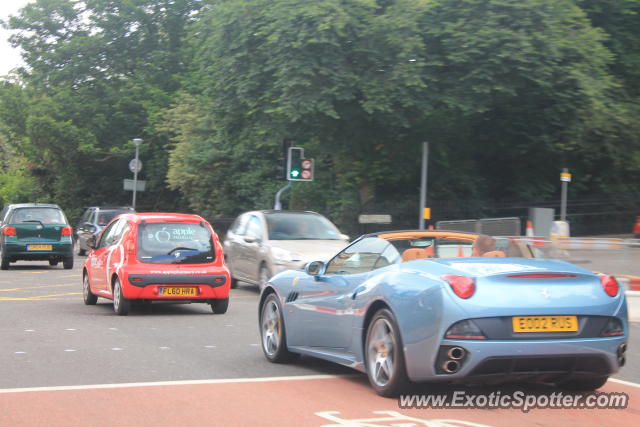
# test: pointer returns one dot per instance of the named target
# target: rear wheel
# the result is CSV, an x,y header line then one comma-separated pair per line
x,y
384,357
89,297
263,276
121,305
272,332
220,306
584,384
67,263
4,261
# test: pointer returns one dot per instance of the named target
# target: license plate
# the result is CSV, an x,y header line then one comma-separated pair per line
x,y
178,292
39,247
545,324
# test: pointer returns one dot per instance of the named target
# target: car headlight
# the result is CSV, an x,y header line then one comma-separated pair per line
x,y
284,255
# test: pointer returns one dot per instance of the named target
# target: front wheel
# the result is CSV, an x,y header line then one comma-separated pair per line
x,y
121,305
220,306
272,332
584,384
78,249
89,297
384,357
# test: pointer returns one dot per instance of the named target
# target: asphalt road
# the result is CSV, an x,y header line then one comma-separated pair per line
x,y
210,366
48,337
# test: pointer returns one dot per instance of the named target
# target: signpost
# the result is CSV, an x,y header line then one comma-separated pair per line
x,y
565,178
135,166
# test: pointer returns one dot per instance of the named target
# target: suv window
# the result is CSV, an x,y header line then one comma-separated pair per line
x,y
175,243
43,215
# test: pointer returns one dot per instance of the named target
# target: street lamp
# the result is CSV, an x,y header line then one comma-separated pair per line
x,y
136,168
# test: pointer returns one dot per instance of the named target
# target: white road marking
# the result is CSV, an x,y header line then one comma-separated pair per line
x,y
19,352
69,350
116,349
70,329
209,346
629,383
113,329
29,330
164,348
172,383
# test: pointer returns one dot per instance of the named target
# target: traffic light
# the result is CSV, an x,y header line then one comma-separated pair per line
x,y
299,168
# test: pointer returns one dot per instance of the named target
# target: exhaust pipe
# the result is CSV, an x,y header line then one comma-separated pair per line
x,y
456,353
622,349
450,366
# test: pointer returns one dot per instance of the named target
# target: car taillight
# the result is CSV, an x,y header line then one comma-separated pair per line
x,y
609,284
462,286
8,230
66,231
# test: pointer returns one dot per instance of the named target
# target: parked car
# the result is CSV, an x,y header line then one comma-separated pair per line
x,y
421,306
93,220
35,232
636,228
260,244
145,257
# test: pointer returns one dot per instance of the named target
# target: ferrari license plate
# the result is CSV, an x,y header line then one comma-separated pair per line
x,y
39,247
175,291
545,324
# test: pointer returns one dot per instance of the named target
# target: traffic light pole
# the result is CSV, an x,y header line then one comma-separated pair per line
x,y
277,205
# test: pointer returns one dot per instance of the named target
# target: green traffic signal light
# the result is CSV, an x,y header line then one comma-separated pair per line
x,y
294,173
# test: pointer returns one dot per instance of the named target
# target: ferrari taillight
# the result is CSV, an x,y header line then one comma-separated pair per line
x,y
609,284
8,230
462,286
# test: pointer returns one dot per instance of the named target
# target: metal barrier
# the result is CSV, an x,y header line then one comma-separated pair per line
x,y
491,226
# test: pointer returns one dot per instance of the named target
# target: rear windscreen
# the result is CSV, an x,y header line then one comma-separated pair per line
x,y
38,215
175,243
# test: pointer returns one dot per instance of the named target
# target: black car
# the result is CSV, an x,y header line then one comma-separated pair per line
x,y
93,220
35,232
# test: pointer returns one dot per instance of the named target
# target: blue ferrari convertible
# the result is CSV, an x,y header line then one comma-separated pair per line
x,y
434,306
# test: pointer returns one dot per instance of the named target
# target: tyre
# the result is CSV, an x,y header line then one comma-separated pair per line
x,y
263,276
584,384
384,357
53,262
4,261
67,263
78,249
234,283
121,305
220,306
272,332
89,297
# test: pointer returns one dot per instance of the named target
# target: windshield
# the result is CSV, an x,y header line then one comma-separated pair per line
x,y
38,215
300,226
104,217
175,243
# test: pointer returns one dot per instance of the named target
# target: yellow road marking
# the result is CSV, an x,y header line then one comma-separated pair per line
x,y
39,287
39,297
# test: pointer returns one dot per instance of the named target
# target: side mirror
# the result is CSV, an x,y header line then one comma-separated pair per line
x,y
250,238
314,268
91,242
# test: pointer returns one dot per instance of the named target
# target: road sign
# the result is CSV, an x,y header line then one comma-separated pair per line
x,y
374,219
135,165
128,185
565,176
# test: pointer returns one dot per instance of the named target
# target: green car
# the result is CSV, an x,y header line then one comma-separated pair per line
x,y
35,232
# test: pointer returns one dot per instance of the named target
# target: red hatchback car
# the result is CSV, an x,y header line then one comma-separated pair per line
x,y
156,257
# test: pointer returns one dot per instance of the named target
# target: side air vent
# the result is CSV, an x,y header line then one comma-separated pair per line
x,y
292,297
